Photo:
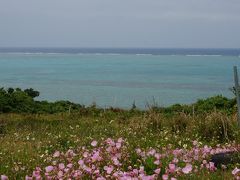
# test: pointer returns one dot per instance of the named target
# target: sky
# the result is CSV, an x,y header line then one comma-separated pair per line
x,y
120,23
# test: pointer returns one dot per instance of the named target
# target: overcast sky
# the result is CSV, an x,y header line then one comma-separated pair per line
x,y
120,23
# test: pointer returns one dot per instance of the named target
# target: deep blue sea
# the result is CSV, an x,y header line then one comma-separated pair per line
x,y
118,77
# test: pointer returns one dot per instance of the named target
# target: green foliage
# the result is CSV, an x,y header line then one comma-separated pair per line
x,y
219,103
22,101
149,165
216,102
15,101
30,92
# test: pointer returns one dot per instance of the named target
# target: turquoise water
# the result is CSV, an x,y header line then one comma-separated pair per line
x,y
118,79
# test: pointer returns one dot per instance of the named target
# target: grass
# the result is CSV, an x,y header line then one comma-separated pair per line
x,y
29,140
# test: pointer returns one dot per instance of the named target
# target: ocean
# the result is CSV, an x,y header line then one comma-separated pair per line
x,y
119,77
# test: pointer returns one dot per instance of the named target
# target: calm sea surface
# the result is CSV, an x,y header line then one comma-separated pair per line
x,y
112,79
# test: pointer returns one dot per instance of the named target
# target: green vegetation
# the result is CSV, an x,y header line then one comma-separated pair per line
x,y
31,131
22,101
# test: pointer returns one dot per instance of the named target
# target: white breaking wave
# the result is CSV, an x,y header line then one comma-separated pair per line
x,y
203,55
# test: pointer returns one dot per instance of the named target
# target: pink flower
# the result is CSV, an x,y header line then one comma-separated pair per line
x,y
195,143
187,169
56,154
165,177
157,171
94,143
118,145
172,167
101,178
61,166
204,162
4,177
60,173
96,157
109,169
48,169
96,171
157,162
70,165
157,156
135,171
212,166
66,170
151,152
80,162
138,151
88,169
235,171
120,140
36,173
115,161
175,160
85,154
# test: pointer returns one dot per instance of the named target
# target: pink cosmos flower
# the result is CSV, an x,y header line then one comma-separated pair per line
x,y
187,169
94,143
48,169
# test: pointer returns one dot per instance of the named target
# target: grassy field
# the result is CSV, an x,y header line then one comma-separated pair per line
x,y
149,139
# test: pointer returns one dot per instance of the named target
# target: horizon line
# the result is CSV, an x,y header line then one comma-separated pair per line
x,y
69,47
